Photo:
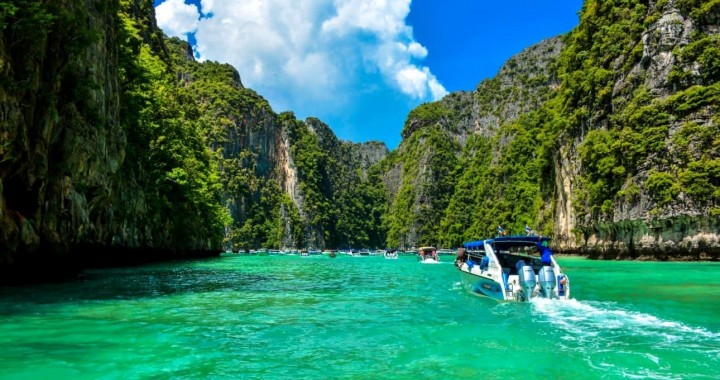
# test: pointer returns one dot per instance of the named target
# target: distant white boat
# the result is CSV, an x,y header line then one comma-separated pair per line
x,y
390,255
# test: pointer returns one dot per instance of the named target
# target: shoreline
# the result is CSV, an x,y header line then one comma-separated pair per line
x,y
645,257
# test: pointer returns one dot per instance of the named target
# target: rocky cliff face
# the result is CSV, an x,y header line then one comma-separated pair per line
x,y
605,145
71,196
102,159
420,177
285,181
62,146
669,65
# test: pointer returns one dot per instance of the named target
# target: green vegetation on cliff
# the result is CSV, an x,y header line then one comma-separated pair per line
x,y
113,135
262,156
414,216
641,129
630,107
166,151
101,148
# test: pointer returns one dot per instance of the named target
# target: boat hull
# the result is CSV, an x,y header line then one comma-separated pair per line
x,y
481,286
512,268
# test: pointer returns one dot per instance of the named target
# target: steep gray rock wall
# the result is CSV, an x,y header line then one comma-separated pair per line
x,y
640,227
522,85
62,146
69,196
364,155
412,174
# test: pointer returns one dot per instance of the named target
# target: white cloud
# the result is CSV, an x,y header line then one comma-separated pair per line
x,y
417,50
317,55
419,83
386,18
437,90
206,6
176,18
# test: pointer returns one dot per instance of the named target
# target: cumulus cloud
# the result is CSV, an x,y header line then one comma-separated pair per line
x,y
206,6
176,18
314,54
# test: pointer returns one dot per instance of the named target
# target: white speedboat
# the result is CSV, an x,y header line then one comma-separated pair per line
x,y
428,255
390,255
512,268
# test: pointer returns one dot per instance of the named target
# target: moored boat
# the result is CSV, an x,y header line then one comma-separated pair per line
x,y
512,268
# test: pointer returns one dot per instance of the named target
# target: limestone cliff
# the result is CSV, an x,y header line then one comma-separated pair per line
x,y
117,147
420,177
609,145
664,102
286,183
76,188
62,146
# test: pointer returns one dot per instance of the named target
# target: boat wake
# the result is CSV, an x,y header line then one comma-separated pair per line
x,y
576,316
601,330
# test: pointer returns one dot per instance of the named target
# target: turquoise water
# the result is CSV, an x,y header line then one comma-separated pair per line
x,y
275,317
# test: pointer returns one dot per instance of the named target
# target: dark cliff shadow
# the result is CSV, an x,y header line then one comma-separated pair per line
x,y
49,265
130,283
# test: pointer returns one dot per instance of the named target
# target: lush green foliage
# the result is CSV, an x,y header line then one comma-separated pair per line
x,y
336,206
632,141
504,182
227,114
638,124
166,151
428,180
424,115
339,203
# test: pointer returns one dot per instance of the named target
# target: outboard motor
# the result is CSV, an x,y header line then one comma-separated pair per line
x,y
547,281
527,279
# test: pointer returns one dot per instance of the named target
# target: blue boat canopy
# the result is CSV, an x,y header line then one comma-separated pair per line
x,y
509,240
474,244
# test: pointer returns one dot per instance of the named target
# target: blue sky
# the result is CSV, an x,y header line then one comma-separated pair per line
x,y
358,65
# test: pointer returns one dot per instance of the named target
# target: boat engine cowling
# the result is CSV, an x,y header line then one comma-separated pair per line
x,y
527,280
546,275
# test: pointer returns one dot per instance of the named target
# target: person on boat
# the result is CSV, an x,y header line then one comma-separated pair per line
x,y
460,257
545,254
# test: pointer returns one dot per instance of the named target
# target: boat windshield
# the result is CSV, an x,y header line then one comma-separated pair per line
x,y
509,253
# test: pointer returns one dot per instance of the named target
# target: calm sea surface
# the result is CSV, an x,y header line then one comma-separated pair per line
x,y
275,317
